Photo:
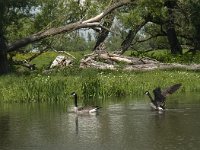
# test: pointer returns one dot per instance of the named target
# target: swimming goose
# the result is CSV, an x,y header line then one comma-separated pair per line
x,y
158,103
81,110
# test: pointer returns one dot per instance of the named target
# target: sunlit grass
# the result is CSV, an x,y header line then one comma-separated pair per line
x,y
166,57
44,60
91,83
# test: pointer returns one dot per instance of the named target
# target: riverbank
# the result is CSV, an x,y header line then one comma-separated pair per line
x,y
91,83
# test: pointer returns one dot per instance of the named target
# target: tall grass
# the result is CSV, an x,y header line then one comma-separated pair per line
x,y
91,84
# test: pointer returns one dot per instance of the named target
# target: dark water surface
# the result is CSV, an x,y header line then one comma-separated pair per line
x,y
120,125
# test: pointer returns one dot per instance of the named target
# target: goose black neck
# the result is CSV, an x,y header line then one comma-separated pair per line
x,y
152,100
75,100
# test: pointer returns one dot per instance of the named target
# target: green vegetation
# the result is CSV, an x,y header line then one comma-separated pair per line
x,y
91,83
24,85
166,57
44,60
172,25
56,85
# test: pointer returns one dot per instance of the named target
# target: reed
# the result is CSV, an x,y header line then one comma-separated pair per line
x,y
91,84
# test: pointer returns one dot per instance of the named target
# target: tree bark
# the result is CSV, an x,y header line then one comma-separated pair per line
x,y
103,34
4,65
127,42
171,32
130,37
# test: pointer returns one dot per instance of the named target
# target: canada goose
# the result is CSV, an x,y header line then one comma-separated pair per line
x,y
81,110
158,103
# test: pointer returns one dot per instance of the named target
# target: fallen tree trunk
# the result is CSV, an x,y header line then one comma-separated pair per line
x,y
104,60
89,23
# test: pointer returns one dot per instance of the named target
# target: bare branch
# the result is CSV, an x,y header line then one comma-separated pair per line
x,y
107,11
90,23
151,37
105,28
37,54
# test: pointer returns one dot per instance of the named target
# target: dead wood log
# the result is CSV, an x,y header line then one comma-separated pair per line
x,y
105,60
26,64
90,63
61,61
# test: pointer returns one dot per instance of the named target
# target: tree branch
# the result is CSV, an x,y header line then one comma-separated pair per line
x,y
90,23
153,36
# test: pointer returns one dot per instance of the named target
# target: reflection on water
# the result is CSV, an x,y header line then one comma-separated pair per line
x,y
119,125
4,129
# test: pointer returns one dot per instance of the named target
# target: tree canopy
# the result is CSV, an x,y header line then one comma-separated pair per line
x,y
157,24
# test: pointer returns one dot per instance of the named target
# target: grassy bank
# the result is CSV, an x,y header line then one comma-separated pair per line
x,y
44,60
165,56
90,83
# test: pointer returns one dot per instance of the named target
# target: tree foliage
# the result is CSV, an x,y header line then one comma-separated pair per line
x,y
149,22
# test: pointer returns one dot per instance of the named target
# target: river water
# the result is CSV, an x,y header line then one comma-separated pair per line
x,y
120,125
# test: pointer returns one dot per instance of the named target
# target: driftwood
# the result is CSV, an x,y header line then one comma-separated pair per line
x,y
104,60
61,61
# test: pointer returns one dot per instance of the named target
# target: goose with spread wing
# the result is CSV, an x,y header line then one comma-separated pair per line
x,y
158,103
83,110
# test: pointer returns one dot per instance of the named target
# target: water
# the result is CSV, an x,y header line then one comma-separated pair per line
x,y
127,125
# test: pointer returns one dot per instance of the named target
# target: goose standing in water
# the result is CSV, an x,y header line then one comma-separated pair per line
x,y
82,110
158,103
